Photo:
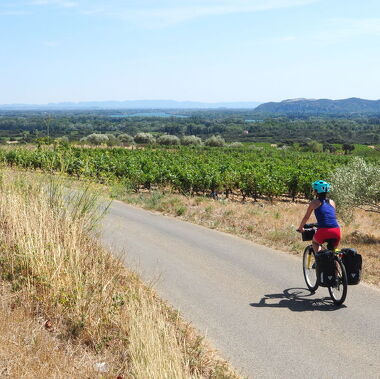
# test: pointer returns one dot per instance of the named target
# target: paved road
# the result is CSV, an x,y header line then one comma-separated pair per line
x,y
250,300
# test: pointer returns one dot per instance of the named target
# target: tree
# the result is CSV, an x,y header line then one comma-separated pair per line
x,y
144,138
315,147
328,147
216,141
356,185
112,140
347,148
168,139
26,137
126,139
191,140
97,139
63,141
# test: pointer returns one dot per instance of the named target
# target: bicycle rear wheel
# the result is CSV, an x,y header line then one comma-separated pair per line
x,y
338,292
309,268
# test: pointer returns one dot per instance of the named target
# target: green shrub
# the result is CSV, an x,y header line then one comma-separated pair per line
x,y
315,147
112,140
144,138
168,139
216,141
191,140
97,139
356,185
126,139
180,210
235,145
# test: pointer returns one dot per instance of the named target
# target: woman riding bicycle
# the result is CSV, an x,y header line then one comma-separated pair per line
x,y
324,210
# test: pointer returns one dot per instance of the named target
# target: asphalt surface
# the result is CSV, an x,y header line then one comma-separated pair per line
x,y
249,300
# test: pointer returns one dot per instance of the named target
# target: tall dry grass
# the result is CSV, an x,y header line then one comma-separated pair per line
x,y
86,295
30,350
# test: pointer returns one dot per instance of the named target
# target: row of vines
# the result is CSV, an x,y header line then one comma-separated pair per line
x,y
265,173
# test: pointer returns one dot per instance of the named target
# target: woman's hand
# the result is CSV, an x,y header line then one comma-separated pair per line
x,y
300,230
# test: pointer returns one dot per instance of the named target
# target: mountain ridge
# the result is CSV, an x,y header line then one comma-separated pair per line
x,y
131,104
320,106
297,106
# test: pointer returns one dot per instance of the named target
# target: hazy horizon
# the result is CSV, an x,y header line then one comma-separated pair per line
x,y
160,101
208,51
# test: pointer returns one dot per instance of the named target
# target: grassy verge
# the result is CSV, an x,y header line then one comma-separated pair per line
x,y
31,348
72,296
270,224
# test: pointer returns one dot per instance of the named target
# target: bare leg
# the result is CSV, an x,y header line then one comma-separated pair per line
x,y
316,246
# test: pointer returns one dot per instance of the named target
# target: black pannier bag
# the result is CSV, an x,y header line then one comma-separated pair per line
x,y
353,263
308,233
325,269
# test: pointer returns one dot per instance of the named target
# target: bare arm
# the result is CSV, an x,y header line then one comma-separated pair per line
x,y
313,205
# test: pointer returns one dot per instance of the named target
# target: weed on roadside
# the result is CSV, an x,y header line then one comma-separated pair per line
x,y
57,268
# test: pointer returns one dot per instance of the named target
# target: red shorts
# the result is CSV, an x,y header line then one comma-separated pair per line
x,y
324,234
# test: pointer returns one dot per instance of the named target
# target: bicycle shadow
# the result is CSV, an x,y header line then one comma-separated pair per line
x,y
297,300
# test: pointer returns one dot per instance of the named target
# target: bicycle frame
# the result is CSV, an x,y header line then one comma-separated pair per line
x,y
338,291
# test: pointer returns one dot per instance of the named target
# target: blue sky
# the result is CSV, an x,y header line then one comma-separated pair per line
x,y
200,50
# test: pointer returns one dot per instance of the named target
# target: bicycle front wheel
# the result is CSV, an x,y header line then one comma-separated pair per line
x,y
338,292
309,268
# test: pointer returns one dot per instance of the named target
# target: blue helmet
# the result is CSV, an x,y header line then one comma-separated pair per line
x,y
321,186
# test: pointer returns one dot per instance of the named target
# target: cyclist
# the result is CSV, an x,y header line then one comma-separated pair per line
x,y
324,210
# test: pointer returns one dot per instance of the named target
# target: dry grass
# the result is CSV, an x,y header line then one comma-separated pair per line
x,y
270,224
87,297
30,348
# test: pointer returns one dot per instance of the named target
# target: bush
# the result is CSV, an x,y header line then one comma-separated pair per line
x,y
235,144
97,139
216,141
327,147
126,139
167,139
112,140
347,148
191,140
315,147
63,141
144,138
356,185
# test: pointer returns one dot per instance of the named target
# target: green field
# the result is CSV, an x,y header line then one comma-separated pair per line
x,y
258,172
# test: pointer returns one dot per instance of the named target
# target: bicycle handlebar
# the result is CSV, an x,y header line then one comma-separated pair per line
x,y
310,226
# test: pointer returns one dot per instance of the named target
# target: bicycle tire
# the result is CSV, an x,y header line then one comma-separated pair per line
x,y
309,268
338,292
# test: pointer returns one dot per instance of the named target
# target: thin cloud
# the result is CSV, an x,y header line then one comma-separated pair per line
x,y
60,3
169,12
12,9
338,30
177,15
171,15
13,13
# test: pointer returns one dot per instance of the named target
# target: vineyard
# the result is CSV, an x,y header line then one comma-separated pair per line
x,y
255,173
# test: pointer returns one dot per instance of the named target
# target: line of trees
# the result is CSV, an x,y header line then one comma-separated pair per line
x,y
231,125
149,139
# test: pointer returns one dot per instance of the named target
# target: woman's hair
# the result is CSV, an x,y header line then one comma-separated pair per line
x,y
322,195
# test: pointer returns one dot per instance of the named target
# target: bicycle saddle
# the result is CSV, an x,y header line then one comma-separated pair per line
x,y
331,243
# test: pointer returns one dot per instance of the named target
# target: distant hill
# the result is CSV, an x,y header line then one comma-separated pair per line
x,y
131,104
320,106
